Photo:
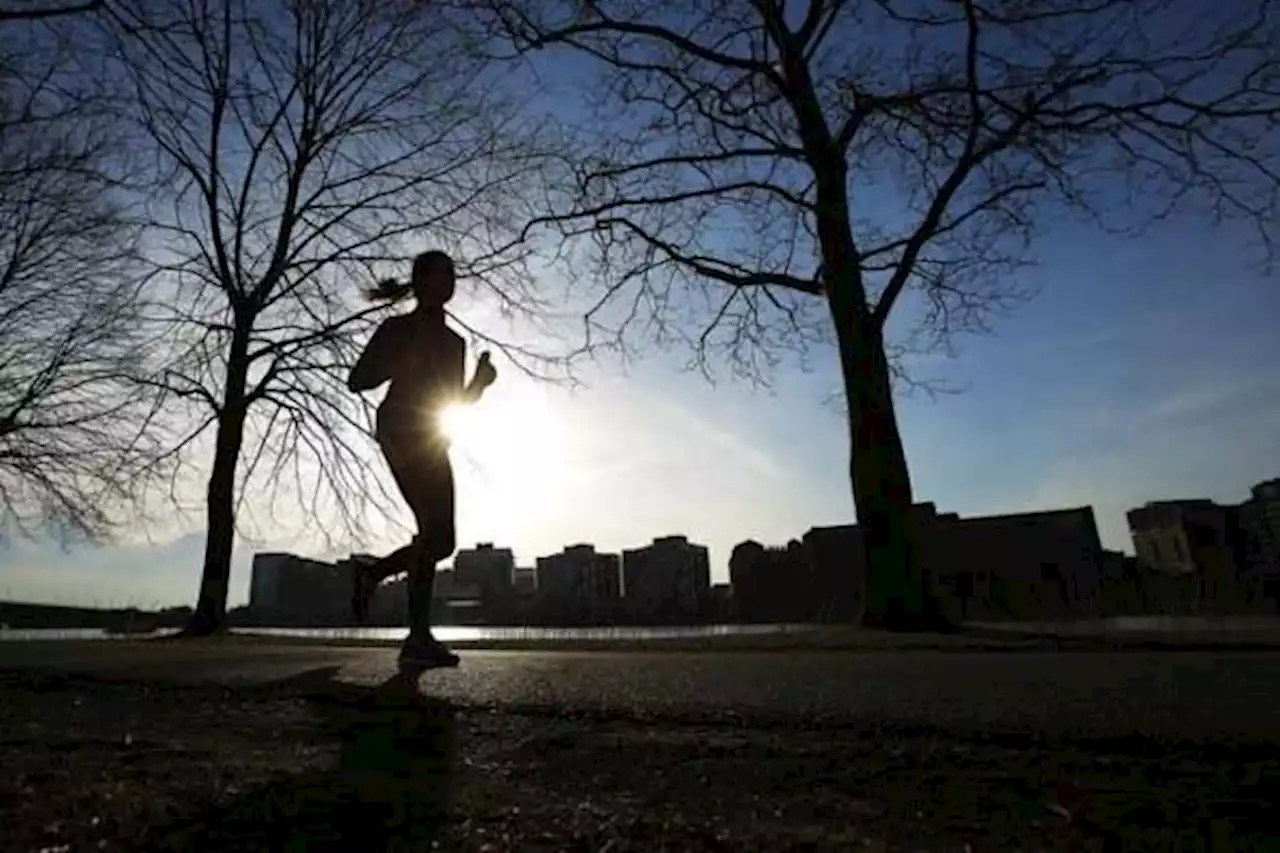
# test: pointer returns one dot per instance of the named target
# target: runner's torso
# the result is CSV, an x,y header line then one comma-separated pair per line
x,y
426,359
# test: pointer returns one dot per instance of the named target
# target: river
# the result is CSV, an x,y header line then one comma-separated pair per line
x,y
477,633
446,633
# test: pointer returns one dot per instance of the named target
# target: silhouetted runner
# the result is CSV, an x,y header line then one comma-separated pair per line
x,y
425,362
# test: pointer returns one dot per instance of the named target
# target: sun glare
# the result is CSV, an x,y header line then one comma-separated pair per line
x,y
511,441
457,422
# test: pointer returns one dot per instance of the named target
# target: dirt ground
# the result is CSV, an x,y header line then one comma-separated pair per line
x,y
120,767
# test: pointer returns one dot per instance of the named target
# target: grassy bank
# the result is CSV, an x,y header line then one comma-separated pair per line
x,y
91,766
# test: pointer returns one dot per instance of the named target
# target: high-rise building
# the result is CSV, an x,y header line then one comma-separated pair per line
x,y
299,591
1259,521
771,584
578,583
1193,540
838,565
1027,565
578,572
837,570
1164,533
667,580
450,588
489,569
525,581
1260,518
264,580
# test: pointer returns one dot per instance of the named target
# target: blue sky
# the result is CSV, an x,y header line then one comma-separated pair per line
x,y
1144,369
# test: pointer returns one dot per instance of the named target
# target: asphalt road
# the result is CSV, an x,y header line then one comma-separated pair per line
x,y
1189,694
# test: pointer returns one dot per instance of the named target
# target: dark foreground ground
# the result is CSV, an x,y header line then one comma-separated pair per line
x,y
96,766
1185,694
152,756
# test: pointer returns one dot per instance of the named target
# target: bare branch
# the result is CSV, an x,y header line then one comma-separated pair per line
x,y
742,145
531,36
311,149
54,11
78,446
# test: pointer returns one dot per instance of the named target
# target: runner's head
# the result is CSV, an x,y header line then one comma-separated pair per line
x,y
433,278
432,282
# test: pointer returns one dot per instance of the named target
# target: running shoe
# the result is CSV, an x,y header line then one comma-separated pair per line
x,y
427,654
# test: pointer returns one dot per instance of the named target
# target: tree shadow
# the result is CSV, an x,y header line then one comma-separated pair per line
x,y
392,788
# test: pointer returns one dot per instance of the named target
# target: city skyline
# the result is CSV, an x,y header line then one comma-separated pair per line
x,y
1193,556
619,556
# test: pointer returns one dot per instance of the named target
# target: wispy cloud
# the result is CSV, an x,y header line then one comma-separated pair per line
x,y
1201,440
731,446
1209,395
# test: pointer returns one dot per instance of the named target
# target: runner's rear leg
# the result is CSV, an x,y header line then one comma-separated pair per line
x,y
365,579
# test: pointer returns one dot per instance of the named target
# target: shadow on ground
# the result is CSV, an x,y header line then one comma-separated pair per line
x,y
312,764
392,789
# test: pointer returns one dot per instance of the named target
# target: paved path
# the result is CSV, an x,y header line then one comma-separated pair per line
x,y
1197,694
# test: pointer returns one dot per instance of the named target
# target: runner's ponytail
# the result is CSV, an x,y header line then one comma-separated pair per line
x,y
388,290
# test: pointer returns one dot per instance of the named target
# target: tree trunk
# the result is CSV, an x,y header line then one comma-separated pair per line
x,y
880,479
898,594
211,607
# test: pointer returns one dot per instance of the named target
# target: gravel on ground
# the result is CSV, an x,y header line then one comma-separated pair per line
x,y
95,766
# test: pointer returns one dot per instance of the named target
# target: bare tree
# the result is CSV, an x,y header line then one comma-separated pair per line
x,y
306,144
74,440
757,158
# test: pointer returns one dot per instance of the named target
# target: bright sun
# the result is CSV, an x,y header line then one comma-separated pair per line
x,y
459,421
511,441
